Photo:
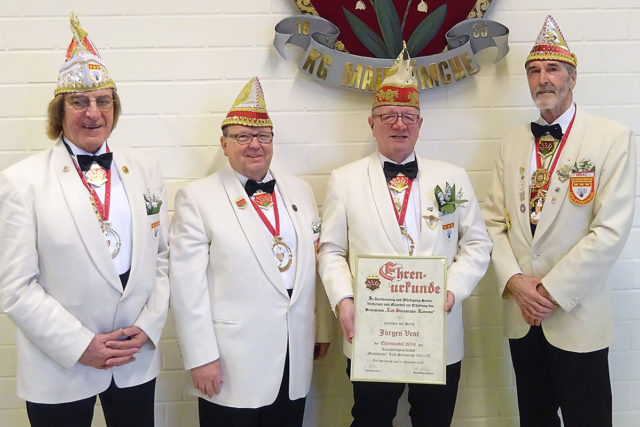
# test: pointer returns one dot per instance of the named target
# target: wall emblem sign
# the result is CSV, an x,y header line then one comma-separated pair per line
x,y
353,43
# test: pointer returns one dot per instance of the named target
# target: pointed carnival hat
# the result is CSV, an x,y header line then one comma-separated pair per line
x,y
400,86
249,108
83,69
551,45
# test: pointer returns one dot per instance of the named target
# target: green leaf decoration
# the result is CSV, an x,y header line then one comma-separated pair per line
x,y
366,35
448,208
426,30
389,23
436,192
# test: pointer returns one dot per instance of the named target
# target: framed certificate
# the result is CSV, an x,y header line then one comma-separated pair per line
x,y
400,319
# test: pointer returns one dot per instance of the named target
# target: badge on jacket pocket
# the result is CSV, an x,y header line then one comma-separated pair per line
x,y
448,229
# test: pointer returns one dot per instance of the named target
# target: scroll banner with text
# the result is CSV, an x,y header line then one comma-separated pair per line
x,y
324,63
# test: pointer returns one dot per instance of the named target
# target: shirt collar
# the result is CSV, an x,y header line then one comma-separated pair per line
x,y
77,150
563,120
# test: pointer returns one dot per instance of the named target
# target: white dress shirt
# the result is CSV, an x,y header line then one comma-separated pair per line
x,y
119,210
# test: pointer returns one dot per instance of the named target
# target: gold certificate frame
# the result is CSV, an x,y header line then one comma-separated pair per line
x,y
400,325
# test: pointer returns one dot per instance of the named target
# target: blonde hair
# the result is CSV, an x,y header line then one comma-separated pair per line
x,y
55,114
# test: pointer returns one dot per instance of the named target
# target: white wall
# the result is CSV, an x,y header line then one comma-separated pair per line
x,y
179,66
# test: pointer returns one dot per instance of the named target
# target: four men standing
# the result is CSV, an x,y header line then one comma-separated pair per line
x,y
84,265
559,212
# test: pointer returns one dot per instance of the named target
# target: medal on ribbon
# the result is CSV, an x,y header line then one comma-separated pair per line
x,y
95,173
263,200
281,251
399,183
548,152
113,239
540,178
401,209
546,146
96,176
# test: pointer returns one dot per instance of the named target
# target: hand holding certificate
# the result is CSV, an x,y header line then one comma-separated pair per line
x,y
400,320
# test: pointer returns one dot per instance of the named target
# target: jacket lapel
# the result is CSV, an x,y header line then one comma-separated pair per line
x,y
430,230
252,228
522,182
569,154
383,205
133,182
84,217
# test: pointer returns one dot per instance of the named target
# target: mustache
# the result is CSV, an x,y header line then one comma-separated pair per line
x,y
545,89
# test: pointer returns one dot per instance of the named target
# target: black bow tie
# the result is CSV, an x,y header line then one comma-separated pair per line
x,y
252,186
104,160
391,170
539,130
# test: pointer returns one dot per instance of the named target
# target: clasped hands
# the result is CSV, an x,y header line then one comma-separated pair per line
x,y
532,297
115,348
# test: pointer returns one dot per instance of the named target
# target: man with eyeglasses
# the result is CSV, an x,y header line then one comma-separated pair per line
x,y
386,204
84,259
243,280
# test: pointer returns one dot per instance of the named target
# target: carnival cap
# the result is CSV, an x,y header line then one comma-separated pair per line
x,y
83,69
551,45
400,86
249,108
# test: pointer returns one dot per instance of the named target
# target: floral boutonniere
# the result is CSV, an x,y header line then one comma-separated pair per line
x,y
448,199
584,165
153,203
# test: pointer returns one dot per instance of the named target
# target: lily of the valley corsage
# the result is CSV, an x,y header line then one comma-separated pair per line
x,y
448,199
153,203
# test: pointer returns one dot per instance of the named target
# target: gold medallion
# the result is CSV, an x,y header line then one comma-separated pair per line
x,y
540,178
283,254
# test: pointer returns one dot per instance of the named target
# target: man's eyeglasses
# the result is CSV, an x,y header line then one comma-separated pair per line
x,y
80,103
245,138
389,119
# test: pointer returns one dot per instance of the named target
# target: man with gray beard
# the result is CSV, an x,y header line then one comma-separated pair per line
x,y
559,211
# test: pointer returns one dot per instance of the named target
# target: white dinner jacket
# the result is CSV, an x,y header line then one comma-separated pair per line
x,y
228,298
58,283
574,246
359,219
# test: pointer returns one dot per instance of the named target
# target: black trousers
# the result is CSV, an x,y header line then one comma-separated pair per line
x,y
283,412
375,404
122,407
548,378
